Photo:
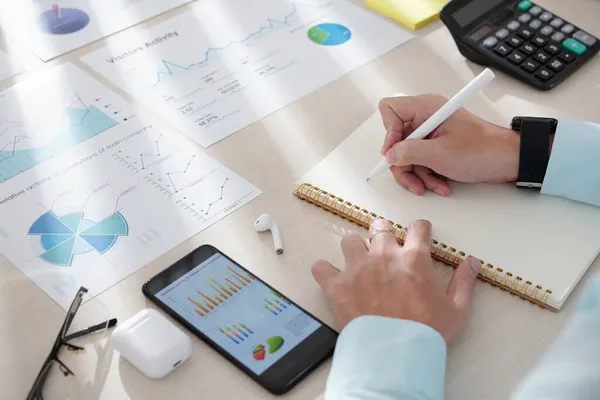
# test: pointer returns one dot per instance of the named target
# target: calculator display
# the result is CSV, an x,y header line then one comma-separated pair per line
x,y
481,32
474,10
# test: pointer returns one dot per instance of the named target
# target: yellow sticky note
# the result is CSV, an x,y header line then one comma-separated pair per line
x,y
412,13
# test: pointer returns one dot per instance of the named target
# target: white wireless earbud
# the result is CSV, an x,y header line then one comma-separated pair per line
x,y
266,223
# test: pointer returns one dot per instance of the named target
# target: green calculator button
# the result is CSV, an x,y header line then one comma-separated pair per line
x,y
524,5
574,46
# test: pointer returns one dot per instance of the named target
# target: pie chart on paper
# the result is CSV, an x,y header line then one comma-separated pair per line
x,y
62,21
63,238
329,34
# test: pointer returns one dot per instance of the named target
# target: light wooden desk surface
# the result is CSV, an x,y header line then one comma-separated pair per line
x,y
506,335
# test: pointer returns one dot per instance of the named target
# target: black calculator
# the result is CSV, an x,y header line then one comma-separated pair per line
x,y
520,38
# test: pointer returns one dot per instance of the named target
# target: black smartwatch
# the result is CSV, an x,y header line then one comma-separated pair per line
x,y
534,155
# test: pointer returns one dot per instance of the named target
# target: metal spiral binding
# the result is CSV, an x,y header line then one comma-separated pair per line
x,y
450,256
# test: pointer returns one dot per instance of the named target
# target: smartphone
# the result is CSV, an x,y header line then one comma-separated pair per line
x,y
263,333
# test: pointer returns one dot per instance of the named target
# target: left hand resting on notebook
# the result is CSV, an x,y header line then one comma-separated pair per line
x,y
398,282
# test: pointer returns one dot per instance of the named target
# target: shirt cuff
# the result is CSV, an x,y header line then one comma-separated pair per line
x,y
387,358
572,169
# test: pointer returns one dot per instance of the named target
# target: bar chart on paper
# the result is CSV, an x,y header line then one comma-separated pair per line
x,y
249,59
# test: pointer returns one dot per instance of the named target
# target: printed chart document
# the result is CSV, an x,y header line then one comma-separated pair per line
x,y
226,64
90,191
9,67
54,27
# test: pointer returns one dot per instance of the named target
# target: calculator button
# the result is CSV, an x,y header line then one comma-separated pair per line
x,y
557,23
502,33
539,41
525,33
514,41
545,17
541,56
575,46
530,65
513,26
553,48
556,65
547,30
490,42
567,56
516,58
535,24
535,10
524,5
544,74
585,38
502,49
528,49
558,37
567,29
524,18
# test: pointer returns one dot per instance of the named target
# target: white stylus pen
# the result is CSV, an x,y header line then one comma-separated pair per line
x,y
456,102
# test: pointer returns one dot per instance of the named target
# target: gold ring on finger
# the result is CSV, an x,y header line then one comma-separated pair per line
x,y
381,230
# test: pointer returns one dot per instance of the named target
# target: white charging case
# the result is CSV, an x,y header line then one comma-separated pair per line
x,y
152,343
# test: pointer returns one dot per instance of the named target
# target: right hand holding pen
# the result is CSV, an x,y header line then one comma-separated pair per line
x,y
465,148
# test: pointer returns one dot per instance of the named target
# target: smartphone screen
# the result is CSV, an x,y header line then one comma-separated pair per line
x,y
253,323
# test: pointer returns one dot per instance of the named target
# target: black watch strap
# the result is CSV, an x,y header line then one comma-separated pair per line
x,y
535,149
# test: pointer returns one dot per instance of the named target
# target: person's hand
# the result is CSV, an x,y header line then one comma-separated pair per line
x,y
398,282
464,148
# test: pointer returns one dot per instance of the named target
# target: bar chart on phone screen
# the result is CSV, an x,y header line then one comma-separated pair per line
x,y
228,63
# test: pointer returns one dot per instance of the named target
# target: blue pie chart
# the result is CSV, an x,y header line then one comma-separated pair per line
x,y
329,34
63,22
64,237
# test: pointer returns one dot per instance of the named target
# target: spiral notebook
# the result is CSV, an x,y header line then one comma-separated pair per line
x,y
534,246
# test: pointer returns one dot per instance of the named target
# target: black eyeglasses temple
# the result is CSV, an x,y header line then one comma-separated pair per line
x,y
91,329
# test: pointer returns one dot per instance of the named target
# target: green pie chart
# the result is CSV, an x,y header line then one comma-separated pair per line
x,y
274,343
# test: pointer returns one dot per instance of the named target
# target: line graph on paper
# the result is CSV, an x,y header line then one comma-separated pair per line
x,y
270,25
176,173
46,130
218,193
229,63
176,169
138,155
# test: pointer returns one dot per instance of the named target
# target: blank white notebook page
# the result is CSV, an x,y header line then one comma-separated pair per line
x,y
547,240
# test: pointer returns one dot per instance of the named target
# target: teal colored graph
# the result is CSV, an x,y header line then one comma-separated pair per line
x,y
63,238
171,68
84,123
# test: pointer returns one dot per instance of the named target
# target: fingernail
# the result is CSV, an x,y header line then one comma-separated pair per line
x,y
439,192
475,264
413,191
390,157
